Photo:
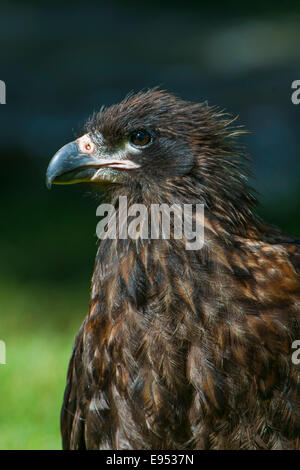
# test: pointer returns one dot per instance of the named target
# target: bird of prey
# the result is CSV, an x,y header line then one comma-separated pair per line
x,y
181,348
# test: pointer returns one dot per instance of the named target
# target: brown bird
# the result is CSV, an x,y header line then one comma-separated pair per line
x,y
181,348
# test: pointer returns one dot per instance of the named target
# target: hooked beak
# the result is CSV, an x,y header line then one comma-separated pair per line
x,y
77,162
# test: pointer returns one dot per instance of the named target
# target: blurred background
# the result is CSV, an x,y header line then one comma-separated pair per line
x,y
60,61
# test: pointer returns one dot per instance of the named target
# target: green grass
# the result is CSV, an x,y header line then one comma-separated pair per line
x,y
32,387
38,347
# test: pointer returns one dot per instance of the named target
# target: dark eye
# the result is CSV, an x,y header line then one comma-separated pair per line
x,y
140,138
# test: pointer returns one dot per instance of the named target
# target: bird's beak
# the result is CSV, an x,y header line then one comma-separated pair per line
x,y
78,162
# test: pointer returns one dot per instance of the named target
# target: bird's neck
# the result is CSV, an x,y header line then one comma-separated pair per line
x,y
152,298
132,269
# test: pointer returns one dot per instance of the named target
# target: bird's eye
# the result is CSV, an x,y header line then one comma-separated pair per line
x,y
140,138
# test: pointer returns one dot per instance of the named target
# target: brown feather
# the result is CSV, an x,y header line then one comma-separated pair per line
x,y
188,349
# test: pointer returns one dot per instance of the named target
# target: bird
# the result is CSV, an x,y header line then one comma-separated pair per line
x,y
181,349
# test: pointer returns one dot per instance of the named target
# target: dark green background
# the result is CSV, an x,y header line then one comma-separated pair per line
x,y
62,60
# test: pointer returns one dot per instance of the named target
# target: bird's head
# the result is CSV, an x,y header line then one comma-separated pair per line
x,y
156,143
150,136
